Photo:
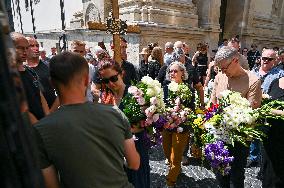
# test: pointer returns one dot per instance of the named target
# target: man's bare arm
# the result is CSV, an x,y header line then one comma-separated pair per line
x,y
44,104
50,177
131,154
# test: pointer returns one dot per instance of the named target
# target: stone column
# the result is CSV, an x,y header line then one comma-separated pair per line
x,y
282,21
208,13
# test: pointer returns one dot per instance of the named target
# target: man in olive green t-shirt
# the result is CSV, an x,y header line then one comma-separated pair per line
x,y
84,143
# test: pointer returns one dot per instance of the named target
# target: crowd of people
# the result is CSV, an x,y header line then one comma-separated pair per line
x,y
74,102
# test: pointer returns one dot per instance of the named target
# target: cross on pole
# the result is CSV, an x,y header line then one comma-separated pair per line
x,y
116,24
116,38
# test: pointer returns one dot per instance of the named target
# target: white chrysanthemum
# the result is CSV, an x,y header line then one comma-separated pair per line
x,y
157,89
157,83
147,80
173,86
151,92
225,93
209,126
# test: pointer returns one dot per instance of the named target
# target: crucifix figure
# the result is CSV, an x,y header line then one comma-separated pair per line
x,y
115,25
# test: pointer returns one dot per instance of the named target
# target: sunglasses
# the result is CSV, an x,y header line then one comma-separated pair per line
x,y
267,59
110,79
173,71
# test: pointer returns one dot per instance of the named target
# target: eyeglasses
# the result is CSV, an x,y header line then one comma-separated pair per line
x,y
112,79
225,68
267,59
173,71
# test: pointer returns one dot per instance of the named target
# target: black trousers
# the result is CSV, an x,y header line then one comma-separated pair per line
x,y
237,173
272,165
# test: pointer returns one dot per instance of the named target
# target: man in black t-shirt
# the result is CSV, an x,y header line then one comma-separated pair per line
x,y
253,56
37,105
41,70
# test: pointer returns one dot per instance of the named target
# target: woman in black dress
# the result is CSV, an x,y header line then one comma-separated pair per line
x,y
112,77
200,60
143,65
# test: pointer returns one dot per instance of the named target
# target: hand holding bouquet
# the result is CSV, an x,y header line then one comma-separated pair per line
x,y
144,106
177,111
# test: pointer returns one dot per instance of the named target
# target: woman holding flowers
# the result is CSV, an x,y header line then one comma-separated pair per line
x,y
115,90
178,98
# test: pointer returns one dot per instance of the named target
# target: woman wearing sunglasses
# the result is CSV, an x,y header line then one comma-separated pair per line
x,y
175,139
113,92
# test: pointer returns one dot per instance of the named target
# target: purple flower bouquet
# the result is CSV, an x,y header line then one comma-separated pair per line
x,y
218,156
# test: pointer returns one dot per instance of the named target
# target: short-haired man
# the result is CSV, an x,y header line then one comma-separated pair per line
x,y
130,74
235,78
53,52
253,56
82,142
169,50
267,71
79,47
36,102
43,57
235,43
186,49
42,71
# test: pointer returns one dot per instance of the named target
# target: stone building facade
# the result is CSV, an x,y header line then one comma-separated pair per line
x,y
191,21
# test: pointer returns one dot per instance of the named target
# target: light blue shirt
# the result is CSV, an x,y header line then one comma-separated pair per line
x,y
266,80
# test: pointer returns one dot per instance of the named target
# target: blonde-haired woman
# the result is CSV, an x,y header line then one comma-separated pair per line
x,y
156,61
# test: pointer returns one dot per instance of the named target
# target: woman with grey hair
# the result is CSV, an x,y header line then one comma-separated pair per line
x,y
181,68
176,134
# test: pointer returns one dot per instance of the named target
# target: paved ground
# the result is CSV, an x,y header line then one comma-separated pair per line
x,y
193,176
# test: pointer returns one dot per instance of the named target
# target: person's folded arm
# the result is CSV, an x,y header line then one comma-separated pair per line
x,y
131,154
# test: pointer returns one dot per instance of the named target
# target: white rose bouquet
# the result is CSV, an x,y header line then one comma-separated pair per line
x,y
144,104
177,111
232,120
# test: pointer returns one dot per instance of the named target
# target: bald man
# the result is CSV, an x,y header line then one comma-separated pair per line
x,y
37,105
267,71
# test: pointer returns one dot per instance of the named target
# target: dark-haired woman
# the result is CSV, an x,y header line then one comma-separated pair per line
x,y
155,63
115,89
201,60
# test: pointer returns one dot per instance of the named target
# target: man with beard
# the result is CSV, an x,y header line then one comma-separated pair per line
x,y
42,71
79,47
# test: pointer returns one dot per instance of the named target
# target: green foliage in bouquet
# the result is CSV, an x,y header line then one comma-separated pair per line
x,y
132,109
